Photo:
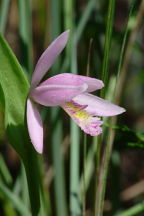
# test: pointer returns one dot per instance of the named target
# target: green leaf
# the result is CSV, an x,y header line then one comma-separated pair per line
x,y
14,89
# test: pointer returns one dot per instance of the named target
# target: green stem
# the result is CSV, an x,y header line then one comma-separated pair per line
x,y
75,207
108,36
111,134
84,174
25,28
4,14
100,197
59,180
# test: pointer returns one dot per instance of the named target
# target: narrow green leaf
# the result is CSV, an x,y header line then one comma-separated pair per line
x,y
4,14
135,210
14,89
107,45
25,29
4,171
16,202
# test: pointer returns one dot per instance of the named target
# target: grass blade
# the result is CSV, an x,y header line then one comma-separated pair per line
x,y
3,14
4,171
15,201
25,28
133,211
100,191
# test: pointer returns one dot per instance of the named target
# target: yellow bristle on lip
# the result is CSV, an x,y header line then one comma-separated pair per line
x,y
78,111
88,123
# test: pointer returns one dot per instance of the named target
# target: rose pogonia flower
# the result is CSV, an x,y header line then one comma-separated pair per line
x,y
69,91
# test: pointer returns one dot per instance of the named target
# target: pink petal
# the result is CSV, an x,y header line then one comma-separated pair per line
x,y
54,95
48,57
98,106
35,126
68,78
85,120
93,84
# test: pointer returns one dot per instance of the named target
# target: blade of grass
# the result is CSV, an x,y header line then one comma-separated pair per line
x,y
78,30
84,173
89,166
108,38
59,180
75,208
25,29
24,188
15,201
75,149
4,171
57,135
5,4
84,19
135,210
105,70
75,202
101,187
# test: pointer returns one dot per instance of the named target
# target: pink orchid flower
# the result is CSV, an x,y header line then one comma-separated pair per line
x,y
69,91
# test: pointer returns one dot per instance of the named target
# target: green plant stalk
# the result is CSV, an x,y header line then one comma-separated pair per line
x,y
5,171
55,18
133,210
111,134
25,29
71,53
99,198
16,202
84,174
24,188
89,166
107,45
84,19
75,207
4,14
59,180
79,29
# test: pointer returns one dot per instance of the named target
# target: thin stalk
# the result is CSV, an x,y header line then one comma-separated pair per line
x,y
57,135
75,202
14,200
84,19
4,14
99,199
111,134
5,171
59,180
71,53
107,45
25,28
84,174
89,166
80,27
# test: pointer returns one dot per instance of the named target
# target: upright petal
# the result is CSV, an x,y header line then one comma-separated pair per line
x,y
35,126
54,95
93,84
98,106
68,78
48,57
